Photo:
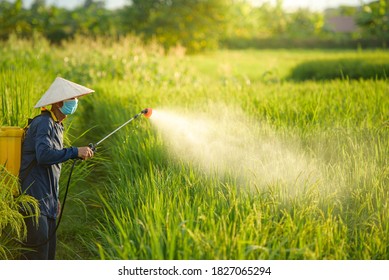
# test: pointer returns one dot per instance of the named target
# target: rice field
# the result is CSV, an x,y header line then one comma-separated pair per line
x,y
240,159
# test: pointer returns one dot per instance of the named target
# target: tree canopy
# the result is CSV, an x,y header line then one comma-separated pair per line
x,y
194,24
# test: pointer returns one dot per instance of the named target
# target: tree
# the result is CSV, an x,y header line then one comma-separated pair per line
x,y
92,19
38,16
374,19
13,19
194,24
304,23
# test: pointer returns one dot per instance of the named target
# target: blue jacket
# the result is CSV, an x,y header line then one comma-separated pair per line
x,y
42,155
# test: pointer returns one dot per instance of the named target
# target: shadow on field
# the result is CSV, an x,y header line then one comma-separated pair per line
x,y
354,69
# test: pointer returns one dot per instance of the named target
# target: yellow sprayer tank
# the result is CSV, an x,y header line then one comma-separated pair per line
x,y
10,148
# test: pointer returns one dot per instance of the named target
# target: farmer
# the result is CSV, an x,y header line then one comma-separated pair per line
x,y
42,155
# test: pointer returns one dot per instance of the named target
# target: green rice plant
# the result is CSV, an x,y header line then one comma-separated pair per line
x,y
157,208
341,69
13,210
17,53
18,92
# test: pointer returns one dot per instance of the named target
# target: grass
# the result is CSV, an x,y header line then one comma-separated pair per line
x,y
12,226
139,200
341,68
169,210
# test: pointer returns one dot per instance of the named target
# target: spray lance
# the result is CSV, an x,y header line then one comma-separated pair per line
x,y
146,112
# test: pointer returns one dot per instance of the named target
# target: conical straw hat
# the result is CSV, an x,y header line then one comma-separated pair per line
x,y
61,90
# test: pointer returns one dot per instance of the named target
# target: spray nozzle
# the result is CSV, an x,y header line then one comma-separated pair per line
x,y
147,112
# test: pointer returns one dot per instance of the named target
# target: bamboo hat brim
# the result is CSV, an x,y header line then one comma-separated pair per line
x,y
60,90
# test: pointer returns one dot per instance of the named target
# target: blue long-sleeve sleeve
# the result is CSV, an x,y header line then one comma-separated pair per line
x,y
49,148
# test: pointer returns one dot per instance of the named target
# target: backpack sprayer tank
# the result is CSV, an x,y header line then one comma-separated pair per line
x,y
11,138
10,148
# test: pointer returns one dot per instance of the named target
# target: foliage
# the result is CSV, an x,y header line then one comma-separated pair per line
x,y
268,21
56,24
193,25
159,207
302,23
196,25
374,18
12,226
295,43
341,69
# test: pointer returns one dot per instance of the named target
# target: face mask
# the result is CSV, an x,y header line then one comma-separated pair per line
x,y
69,106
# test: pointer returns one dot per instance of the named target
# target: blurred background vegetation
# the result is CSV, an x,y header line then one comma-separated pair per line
x,y
202,25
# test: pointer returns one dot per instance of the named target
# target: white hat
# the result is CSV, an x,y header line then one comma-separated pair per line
x,y
61,90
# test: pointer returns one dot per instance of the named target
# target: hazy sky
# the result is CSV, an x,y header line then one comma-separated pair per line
x,y
315,5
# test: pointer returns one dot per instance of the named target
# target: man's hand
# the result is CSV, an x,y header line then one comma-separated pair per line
x,y
85,152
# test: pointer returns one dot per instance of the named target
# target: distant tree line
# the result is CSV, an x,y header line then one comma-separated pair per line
x,y
194,24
